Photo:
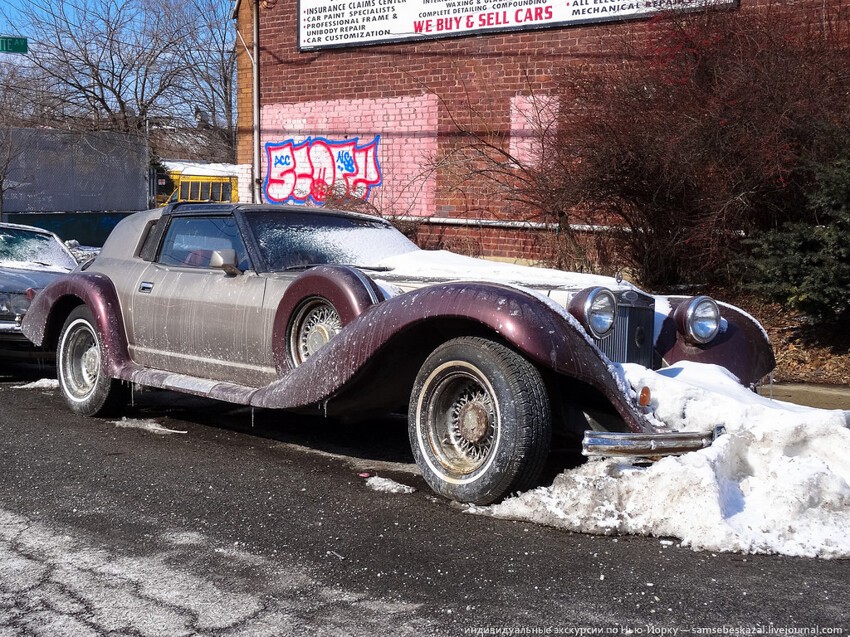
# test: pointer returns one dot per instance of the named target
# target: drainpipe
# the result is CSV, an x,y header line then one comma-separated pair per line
x,y
258,196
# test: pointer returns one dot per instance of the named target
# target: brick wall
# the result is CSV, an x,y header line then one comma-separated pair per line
x,y
483,81
244,87
414,95
405,128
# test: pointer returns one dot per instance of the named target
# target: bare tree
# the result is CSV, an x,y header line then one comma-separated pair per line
x,y
15,111
705,129
113,63
492,171
129,66
209,59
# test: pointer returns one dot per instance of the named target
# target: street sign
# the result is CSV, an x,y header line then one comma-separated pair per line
x,y
13,45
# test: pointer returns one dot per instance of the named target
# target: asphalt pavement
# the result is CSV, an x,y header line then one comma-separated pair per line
x,y
190,517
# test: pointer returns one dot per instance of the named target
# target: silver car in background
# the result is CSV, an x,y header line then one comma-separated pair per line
x,y
30,259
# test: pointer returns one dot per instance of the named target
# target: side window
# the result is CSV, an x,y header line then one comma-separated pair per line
x,y
152,235
205,191
184,191
190,241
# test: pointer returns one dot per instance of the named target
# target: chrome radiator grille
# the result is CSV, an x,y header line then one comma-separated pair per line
x,y
631,340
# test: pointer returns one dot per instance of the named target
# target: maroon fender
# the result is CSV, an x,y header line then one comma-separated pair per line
x,y
49,309
523,320
347,289
742,347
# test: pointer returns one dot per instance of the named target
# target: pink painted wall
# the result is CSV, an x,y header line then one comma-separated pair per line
x,y
407,127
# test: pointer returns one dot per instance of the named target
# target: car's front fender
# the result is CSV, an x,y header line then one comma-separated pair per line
x,y
47,313
742,346
521,319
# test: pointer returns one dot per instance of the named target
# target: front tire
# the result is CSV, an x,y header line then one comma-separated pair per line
x,y
479,421
79,365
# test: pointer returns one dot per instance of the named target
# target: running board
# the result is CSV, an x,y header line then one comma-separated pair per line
x,y
612,444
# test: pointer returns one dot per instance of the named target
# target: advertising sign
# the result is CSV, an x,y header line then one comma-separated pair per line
x,y
333,23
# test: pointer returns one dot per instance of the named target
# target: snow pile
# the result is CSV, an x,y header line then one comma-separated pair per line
x,y
41,383
777,482
146,425
388,486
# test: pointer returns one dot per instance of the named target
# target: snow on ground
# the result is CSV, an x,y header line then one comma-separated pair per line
x,y
41,383
388,486
146,425
777,482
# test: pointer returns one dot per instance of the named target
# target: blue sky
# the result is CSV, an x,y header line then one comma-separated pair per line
x,y
10,8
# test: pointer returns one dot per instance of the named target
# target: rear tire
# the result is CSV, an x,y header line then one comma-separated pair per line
x,y
87,388
479,421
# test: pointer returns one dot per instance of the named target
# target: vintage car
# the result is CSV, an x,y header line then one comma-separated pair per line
x,y
30,258
338,313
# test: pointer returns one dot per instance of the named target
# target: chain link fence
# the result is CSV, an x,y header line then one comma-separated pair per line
x,y
58,171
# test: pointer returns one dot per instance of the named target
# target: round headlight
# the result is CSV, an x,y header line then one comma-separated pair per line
x,y
20,303
700,319
596,309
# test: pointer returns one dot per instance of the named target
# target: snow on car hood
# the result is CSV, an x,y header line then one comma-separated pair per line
x,y
441,265
777,482
17,277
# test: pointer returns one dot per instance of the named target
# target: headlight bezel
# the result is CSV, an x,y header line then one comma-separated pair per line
x,y
592,303
14,304
690,317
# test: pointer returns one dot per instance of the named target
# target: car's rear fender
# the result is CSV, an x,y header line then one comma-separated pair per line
x,y
49,309
348,290
396,330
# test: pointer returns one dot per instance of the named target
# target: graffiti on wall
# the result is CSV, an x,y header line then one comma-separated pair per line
x,y
309,171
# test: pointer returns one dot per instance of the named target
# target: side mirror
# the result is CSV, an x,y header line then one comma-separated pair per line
x,y
225,260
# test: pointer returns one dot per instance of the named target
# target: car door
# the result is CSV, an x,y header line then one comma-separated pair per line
x,y
191,316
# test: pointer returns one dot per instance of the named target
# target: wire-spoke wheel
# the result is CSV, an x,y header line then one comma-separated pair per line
x,y
87,389
315,323
479,421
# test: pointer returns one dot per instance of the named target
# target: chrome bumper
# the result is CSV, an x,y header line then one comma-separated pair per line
x,y
8,325
650,446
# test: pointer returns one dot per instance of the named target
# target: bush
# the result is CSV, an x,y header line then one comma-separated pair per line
x,y
807,265
706,131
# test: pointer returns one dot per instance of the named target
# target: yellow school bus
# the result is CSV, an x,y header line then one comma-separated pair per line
x,y
200,182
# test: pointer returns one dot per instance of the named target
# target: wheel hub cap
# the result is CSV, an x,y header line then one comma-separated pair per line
x,y
90,363
474,422
318,337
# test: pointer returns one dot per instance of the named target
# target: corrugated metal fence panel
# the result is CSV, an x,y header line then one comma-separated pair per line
x,y
63,171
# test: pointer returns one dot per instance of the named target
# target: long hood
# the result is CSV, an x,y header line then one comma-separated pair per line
x,y
423,267
17,280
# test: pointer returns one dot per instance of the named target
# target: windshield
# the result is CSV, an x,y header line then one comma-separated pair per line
x,y
290,240
20,248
